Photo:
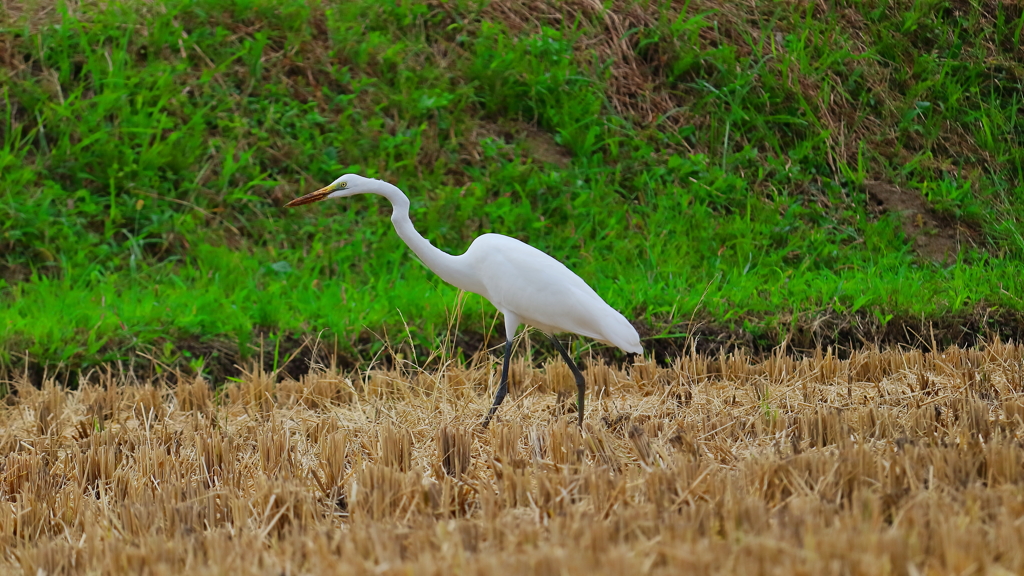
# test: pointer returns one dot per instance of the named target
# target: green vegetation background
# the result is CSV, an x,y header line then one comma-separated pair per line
x,y
684,158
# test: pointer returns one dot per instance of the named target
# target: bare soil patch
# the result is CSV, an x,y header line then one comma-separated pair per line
x,y
934,236
844,334
885,462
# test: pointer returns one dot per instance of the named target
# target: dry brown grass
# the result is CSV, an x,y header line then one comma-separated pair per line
x,y
885,463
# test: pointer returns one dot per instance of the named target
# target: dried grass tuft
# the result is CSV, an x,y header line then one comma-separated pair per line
x,y
886,462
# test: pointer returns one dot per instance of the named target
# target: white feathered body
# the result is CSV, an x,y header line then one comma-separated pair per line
x,y
521,281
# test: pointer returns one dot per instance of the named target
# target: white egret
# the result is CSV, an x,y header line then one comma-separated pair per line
x,y
526,285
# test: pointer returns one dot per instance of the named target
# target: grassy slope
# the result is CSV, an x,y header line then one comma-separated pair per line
x,y
713,160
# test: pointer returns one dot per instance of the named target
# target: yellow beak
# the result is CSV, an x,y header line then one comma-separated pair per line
x,y
311,197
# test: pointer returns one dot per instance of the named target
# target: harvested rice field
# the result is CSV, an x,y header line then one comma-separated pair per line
x,y
879,463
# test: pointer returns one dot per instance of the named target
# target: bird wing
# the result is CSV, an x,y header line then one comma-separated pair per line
x,y
544,293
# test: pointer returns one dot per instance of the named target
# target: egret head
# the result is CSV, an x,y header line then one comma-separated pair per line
x,y
347,185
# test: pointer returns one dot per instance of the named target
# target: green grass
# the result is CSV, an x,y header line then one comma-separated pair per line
x,y
146,150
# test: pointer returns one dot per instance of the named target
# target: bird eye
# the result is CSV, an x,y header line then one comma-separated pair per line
x,y
343,185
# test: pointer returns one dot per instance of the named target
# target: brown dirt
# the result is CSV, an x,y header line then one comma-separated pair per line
x,y
933,236
845,334
538,144
887,462
541,146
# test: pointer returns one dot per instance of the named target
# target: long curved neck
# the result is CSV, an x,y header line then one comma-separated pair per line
x,y
443,264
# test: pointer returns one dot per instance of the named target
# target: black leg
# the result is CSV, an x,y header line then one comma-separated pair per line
x,y
581,385
502,387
